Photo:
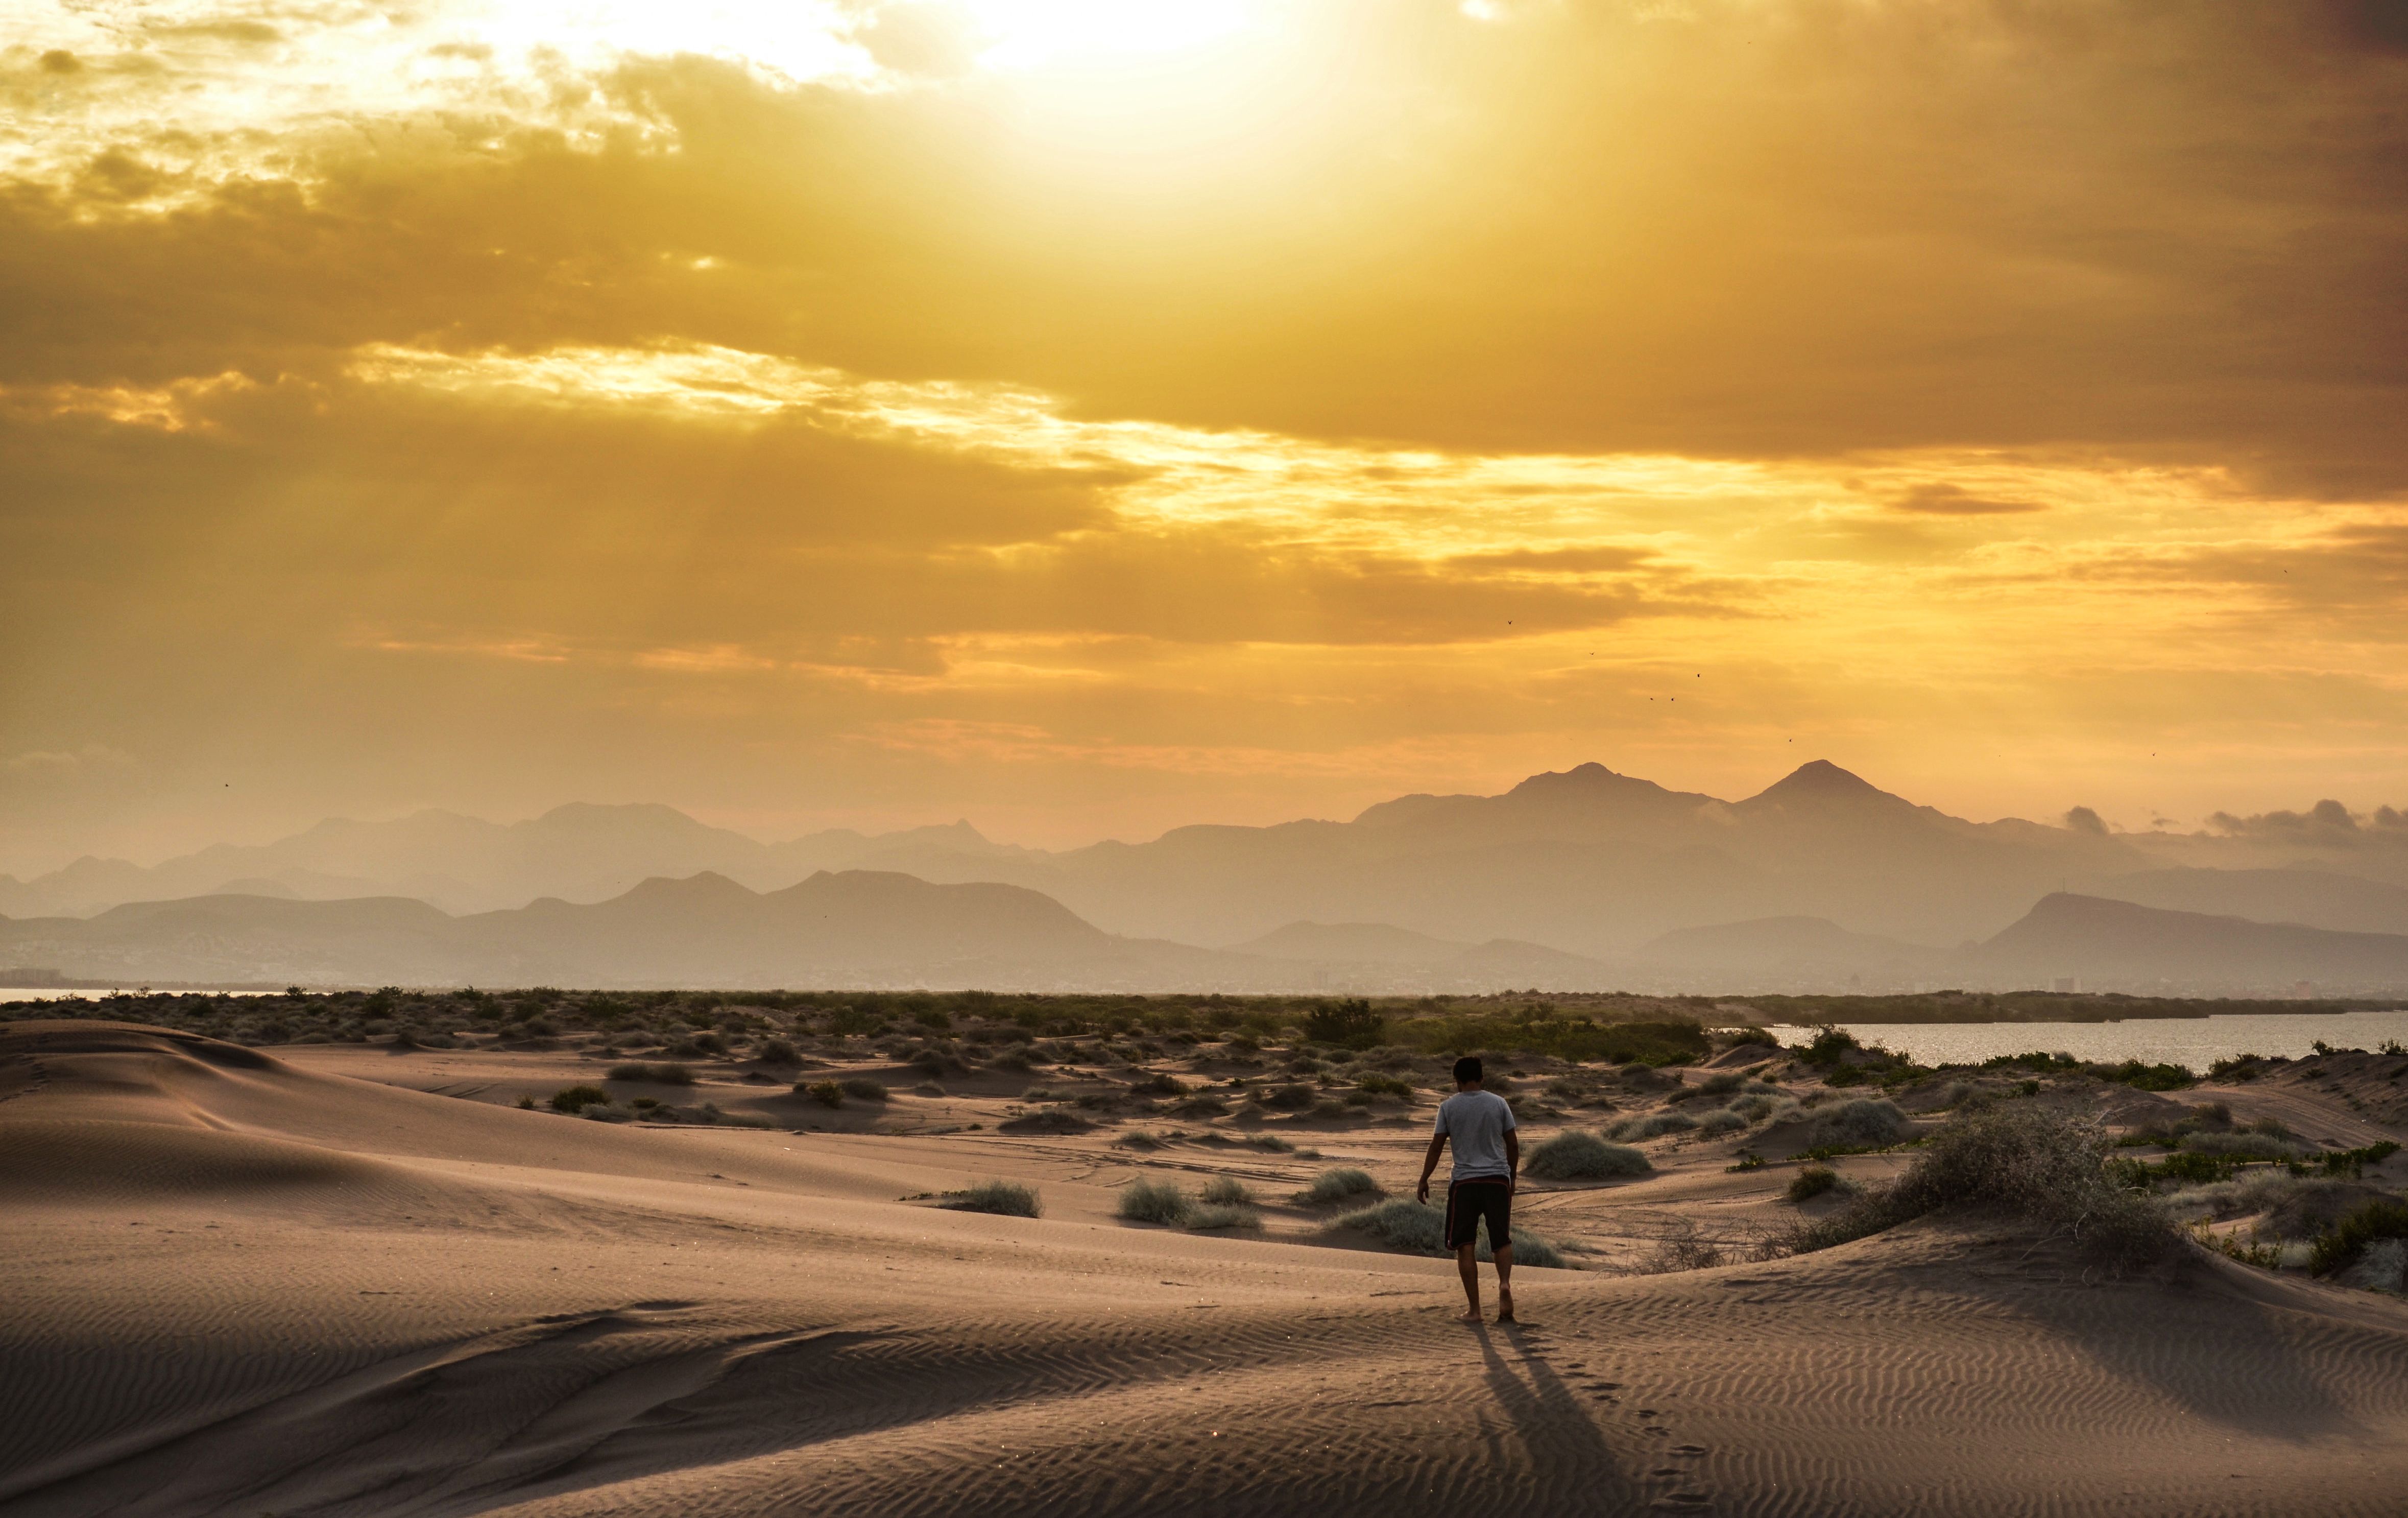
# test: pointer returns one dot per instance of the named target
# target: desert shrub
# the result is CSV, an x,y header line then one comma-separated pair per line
x,y
2354,1162
1214,1215
1828,1047
1154,1201
1654,1125
577,1098
1812,1182
778,1051
1275,1144
1580,1156
1042,1093
1349,1025
685,1048
1864,1120
659,1074
1161,1083
1419,1228
1228,1190
862,1088
1754,1107
1722,1121
1289,1098
2243,1146
825,1092
1342,1185
1680,1247
1202,1106
1726,1080
1052,1119
2342,1244
1329,1107
1378,1085
1006,1198
2027,1161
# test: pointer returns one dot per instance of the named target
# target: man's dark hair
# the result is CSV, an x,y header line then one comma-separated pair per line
x,y
1467,1070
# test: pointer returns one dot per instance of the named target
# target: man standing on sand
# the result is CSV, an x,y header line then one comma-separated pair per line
x,y
1487,1161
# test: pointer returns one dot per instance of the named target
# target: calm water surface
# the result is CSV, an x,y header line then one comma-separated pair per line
x,y
2197,1042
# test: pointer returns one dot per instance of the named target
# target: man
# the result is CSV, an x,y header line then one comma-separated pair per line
x,y
1488,1159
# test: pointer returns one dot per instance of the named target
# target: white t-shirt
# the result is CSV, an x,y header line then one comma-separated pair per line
x,y
1475,1124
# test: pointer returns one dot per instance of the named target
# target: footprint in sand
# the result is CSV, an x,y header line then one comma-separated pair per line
x,y
1691,1451
1682,1501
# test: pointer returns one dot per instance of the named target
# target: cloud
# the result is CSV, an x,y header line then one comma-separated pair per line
x,y
1939,499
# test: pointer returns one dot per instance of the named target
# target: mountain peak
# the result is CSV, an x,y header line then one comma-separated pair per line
x,y
1821,783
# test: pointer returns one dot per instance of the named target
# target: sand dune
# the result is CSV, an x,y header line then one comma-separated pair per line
x,y
240,1285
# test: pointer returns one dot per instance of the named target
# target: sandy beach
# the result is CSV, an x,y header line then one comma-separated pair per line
x,y
295,1283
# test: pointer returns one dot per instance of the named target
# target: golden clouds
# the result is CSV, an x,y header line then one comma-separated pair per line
x,y
730,403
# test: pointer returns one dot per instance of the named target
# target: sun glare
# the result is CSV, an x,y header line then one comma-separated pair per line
x,y
1031,33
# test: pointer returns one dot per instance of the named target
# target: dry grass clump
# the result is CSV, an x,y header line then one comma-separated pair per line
x,y
1418,1228
1054,1119
1581,1156
2026,1160
577,1098
1208,1216
1228,1190
862,1088
1340,1185
659,1074
825,1092
1005,1198
1156,1201
1680,1247
1654,1125
1863,1121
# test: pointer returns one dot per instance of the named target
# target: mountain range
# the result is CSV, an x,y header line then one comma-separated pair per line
x,y
1578,879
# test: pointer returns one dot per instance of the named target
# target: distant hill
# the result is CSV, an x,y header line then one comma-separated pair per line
x,y
1606,871
577,852
1787,953
2311,897
2119,946
1358,942
834,929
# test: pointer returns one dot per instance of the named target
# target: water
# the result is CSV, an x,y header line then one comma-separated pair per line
x,y
2196,1042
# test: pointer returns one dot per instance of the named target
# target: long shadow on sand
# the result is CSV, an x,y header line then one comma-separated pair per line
x,y
1557,1430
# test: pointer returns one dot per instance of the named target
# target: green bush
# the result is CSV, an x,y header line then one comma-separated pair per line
x,y
1342,1185
2341,1245
1378,1085
1154,1201
1005,1198
577,1098
1812,1182
1349,1025
1580,1156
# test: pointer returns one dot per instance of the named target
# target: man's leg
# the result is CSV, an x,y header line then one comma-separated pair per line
x,y
1504,1253
1467,1260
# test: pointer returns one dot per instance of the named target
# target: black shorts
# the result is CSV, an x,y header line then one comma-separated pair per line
x,y
1467,1202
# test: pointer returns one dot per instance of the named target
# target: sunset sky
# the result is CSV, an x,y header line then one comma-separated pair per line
x,y
1088,417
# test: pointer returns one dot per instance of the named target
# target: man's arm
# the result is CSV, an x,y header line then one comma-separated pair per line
x,y
1514,1157
1429,1163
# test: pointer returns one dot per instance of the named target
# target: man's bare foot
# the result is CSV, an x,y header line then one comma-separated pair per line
x,y
1470,1316
1505,1307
